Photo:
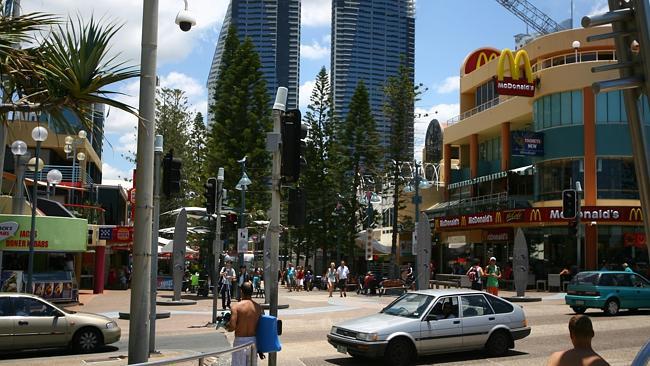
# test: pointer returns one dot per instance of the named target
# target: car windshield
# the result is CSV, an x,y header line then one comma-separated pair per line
x,y
409,306
585,278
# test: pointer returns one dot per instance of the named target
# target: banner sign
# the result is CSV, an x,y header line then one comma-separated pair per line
x,y
540,215
242,240
53,234
515,84
527,143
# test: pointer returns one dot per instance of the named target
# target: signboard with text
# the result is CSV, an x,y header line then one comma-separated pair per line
x,y
515,84
242,240
53,234
526,143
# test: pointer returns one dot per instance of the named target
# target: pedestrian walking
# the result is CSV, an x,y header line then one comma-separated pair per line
x,y
627,268
331,278
581,332
227,275
342,273
300,278
291,277
243,277
475,275
243,321
493,274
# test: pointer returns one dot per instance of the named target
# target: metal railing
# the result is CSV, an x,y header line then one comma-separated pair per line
x,y
478,109
68,175
200,359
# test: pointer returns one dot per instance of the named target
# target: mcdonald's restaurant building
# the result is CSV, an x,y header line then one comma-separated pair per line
x,y
531,127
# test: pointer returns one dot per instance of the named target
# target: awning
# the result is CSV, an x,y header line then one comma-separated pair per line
x,y
377,246
525,170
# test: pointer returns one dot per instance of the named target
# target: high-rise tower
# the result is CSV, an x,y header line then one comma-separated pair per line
x,y
274,28
369,38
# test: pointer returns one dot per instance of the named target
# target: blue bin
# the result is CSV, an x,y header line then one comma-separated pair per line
x,y
267,335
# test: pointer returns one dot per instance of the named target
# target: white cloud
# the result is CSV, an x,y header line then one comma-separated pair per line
x,y
599,7
191,86
305,93
449,85
314,51
173,44
441,112
316,13
111,173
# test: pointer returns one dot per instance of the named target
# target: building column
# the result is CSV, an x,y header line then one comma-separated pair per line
x,y
473,155
505,146
446,166
589,185
100,265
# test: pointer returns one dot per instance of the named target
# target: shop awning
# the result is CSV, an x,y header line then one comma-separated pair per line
x,y
525,170
377,246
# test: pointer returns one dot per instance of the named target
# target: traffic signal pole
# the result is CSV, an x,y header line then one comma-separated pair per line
x,y
579,229
217,246
153,291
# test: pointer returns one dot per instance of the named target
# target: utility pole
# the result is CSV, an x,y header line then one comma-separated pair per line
x,y
416,245
153,291
217,246
578,226
139,312
273,145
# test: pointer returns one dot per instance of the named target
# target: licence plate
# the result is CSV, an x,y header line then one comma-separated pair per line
x,y
580,302
342,349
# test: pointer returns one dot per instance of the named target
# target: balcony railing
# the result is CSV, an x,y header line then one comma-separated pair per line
x,y
487,105
70,177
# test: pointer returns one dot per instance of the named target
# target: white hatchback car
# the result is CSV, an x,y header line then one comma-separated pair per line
x,y
433,321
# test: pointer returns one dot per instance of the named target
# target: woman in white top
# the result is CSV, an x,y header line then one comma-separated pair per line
x,y
331,278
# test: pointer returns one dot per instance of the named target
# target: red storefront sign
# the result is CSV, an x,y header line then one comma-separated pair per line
x,y
123,234
634,240
539,215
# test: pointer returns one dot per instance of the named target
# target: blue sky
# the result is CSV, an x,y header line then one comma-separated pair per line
x,y
446,31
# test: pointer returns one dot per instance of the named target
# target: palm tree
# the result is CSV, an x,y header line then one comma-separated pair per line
x,y
63,66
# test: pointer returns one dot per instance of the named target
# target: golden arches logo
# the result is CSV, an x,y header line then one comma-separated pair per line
x,y
463,221
514,62
636,214
498,218
483,59
535,215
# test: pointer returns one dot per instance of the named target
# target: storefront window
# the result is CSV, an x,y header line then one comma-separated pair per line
x,y
610,108
559,109
623,244
555,176
550,250
617,179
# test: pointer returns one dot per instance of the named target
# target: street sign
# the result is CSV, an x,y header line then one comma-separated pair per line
x,y
242,240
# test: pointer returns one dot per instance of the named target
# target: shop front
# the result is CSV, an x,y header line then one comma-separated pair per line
x,y
611,234
58,244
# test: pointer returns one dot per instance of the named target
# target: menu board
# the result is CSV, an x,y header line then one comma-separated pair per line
x,y
55,286
11,281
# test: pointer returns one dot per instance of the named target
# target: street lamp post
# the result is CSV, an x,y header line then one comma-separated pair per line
x,y
54,177
576,46
19,150
70,148
39,134
242,185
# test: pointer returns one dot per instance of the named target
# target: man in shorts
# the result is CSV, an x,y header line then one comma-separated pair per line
x,y
342,277
243,321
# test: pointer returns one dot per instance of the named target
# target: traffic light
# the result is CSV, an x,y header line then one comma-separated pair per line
x,y
573,228
297,207
210,195
569,203
293,145
171,174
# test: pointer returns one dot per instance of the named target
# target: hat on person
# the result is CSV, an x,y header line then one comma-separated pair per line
x,y
493,259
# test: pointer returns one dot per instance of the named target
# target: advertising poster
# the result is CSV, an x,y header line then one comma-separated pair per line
x,y
527,143
11,281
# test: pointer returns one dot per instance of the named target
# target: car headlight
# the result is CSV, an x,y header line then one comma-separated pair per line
x,y
333,330
367,336
111,325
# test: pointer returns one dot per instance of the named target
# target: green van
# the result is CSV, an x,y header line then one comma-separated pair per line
x,y
610,291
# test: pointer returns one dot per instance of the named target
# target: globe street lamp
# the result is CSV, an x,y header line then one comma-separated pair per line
x,y
39,134
70,148
54,177
19,149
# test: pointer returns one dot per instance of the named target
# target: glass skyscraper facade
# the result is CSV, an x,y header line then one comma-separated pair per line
x,y
369,38
274,28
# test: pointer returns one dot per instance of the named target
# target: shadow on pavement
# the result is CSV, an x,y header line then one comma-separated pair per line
x,y
52,352
426,360
597,313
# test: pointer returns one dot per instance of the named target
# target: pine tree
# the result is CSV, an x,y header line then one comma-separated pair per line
x,y
196,163
401,95
241,119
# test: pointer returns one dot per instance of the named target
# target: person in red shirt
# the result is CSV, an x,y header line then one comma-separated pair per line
x,y
300,276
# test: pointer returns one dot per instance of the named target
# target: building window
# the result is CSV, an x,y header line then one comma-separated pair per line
x,y
610,108
490,150
484,94
554,176
616,178
558,109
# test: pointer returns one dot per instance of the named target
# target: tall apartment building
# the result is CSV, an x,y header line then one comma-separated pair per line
x,y
274,28
369,37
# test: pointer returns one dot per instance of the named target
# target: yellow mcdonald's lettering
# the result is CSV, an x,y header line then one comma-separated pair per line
x,y
482,60
462,221
636,214
498,218
535,215
513,62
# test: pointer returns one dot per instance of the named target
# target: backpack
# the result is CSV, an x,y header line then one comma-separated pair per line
x,y
473,274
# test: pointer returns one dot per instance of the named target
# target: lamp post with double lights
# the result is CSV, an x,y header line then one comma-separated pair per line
x,y
70,148
39,134
242,186
417,183
19,150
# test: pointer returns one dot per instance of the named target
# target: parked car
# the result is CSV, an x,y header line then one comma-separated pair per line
x,y
610,291
29,322
433,321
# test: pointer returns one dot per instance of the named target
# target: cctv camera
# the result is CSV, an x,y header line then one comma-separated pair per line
x,y
185,20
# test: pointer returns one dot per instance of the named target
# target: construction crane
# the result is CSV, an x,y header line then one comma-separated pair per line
x,y
533,17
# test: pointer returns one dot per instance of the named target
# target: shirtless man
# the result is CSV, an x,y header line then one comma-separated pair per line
x,y
243,321
581,332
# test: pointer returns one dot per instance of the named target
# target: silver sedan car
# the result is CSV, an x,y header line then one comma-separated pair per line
x,y
433,321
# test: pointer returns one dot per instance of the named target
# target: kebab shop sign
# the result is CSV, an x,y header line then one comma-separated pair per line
x,y
53,234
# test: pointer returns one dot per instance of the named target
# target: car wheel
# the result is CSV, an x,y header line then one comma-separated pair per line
x,y
612,307
87,340
579,309
498,344
399,352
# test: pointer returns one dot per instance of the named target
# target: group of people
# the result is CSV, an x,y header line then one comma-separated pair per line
x,y
230,282
297,278
488,276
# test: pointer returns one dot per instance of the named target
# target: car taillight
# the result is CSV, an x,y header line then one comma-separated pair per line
x,y
571,292
592,293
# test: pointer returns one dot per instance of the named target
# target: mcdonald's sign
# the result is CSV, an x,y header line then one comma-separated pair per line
x,y
498,219
515,84
479,58
535,215
636,214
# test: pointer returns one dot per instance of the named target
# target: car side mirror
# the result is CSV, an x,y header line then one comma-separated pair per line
x,y
58,314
